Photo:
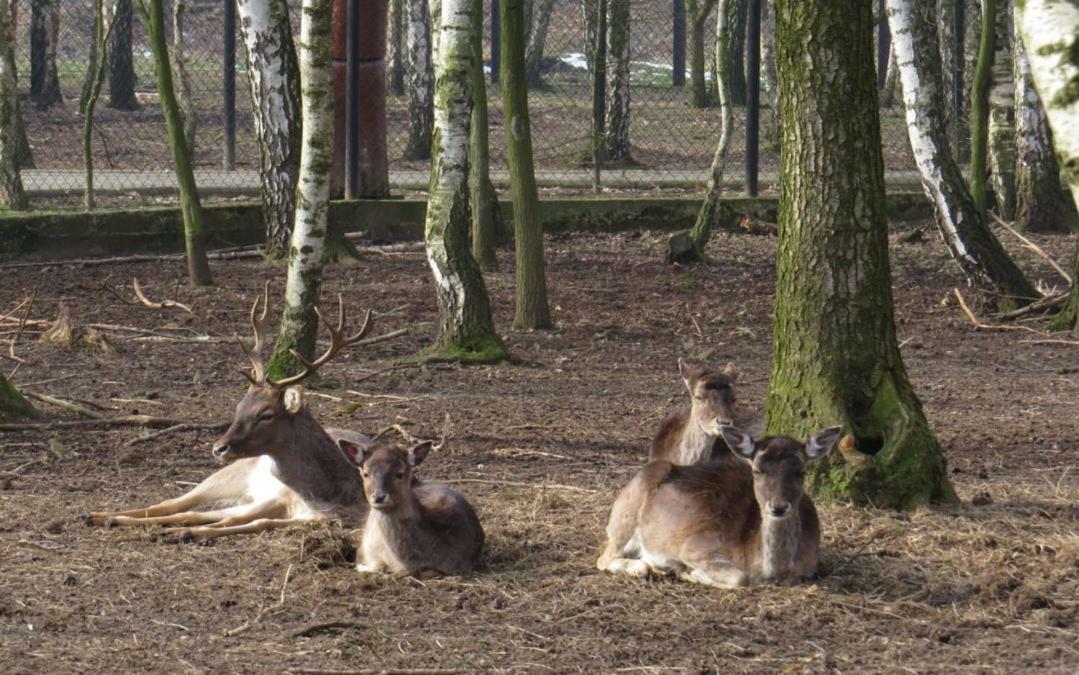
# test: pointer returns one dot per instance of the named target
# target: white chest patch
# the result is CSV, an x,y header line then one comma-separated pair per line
x,y
262,484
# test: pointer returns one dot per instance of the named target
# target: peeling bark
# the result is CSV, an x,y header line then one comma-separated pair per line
x,y
836,359
12,195
274,81
419,78
982,260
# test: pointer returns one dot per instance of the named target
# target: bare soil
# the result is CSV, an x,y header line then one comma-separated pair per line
x,y
540,446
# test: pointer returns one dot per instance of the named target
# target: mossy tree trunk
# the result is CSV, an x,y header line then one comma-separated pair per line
x,y
466,329
537,40
12,404
198,267
44,35
531,276
420,79
836,360
1042,203
616,148
1051,37
12,195
979,106
121,62
955,117
273,75
181,74
307,251
730,57
697,12
486,215
982,260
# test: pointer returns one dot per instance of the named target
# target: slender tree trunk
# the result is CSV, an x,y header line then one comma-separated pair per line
x,y
697,12
198,268
531,295
396,47
44,35
102,31
891,82
181,74
307,256
616,128
91,66
769,84
979,106
955,119
12,404
836,359
590,17
982,260
12,195
537,40
1042,203
121,64
1002,118
1049,33
420,79
274,79
730,59
466,329
486,214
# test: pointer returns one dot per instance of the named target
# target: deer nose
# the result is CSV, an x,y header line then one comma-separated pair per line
x,y
379,499
779,510
220,449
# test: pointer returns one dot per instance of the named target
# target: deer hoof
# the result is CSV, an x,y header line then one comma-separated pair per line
x,y
110,522
186,537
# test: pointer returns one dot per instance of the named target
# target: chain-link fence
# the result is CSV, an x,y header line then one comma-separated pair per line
x,y
671,142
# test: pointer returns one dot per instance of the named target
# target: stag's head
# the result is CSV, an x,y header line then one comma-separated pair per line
x,y
265,416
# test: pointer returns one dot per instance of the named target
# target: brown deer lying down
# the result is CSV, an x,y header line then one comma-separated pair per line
x,y
719,523
688,435
413,528
284,468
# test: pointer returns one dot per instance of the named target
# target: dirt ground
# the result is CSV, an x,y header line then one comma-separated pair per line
x,y
541,447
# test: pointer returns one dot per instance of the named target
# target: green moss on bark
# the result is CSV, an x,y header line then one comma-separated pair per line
x,y
12,404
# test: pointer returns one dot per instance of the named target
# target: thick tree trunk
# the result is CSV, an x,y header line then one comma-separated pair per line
x,y
12,195
836,359
466,329
1002,118
181,74
1049,33
44,35
307,253
979,106
198,268
121,64
531,292
589,15
956,129
982,260
396,46
486,215
730,58
420,79
616,145
274,78
537,40
1042,203
12,404
697,12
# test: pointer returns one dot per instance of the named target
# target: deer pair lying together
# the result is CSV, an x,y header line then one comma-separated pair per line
x,y
284,468
714,506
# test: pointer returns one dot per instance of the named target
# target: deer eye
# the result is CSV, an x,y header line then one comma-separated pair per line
x,y
756,471
400,475
268,415
363,473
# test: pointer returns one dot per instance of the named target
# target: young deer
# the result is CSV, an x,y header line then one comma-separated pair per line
x,y
721,524
283,467
413,528
688,436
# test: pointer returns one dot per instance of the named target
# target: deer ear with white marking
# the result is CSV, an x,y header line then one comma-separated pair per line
x,y
418,452
821,443
353,451
740,443
293,399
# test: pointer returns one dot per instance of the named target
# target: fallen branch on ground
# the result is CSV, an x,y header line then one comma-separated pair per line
x,y
1048,302
1071,343
1033,247
985,326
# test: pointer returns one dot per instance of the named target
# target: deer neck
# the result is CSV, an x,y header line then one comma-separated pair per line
x,y
779,544
397,526
695,443
311,464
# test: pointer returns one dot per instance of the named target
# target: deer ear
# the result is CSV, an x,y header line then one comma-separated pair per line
x,y
418,452
690,371
355,452
821,443
731,371
740,443
293,399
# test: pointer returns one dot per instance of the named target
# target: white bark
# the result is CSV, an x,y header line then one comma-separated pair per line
x,y
1050,30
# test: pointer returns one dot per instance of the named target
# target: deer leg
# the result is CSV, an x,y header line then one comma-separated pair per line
x,y
166,508
183,518
623,538
260,525
709,566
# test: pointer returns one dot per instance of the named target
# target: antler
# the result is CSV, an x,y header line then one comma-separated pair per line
x,y
258,325
338,341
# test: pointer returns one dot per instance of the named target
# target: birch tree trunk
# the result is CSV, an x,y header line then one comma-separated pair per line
x,y
274,80
730,59
182,76
420,79
486,215
982,260
12,195
589,15
44,35
121,64
697,12
979,106
1042,203
1002,118
836,359
537,40
466,329
530,272
1050,30
616,145
307,252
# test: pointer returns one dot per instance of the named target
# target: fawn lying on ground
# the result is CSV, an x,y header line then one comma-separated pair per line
x,y
413,528
284,468
687,436
719,523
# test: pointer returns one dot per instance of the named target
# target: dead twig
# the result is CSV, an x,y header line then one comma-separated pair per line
x,y
985,326
65,404
1048,302
1072,343
22,325
164,304
314,628
1033,247
176,428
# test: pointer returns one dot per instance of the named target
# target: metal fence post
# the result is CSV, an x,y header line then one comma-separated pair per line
x,y
678,48
599,92
753,94
352,102
496,40
229,85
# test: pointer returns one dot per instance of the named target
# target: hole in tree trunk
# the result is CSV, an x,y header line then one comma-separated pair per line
x,y
869,445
